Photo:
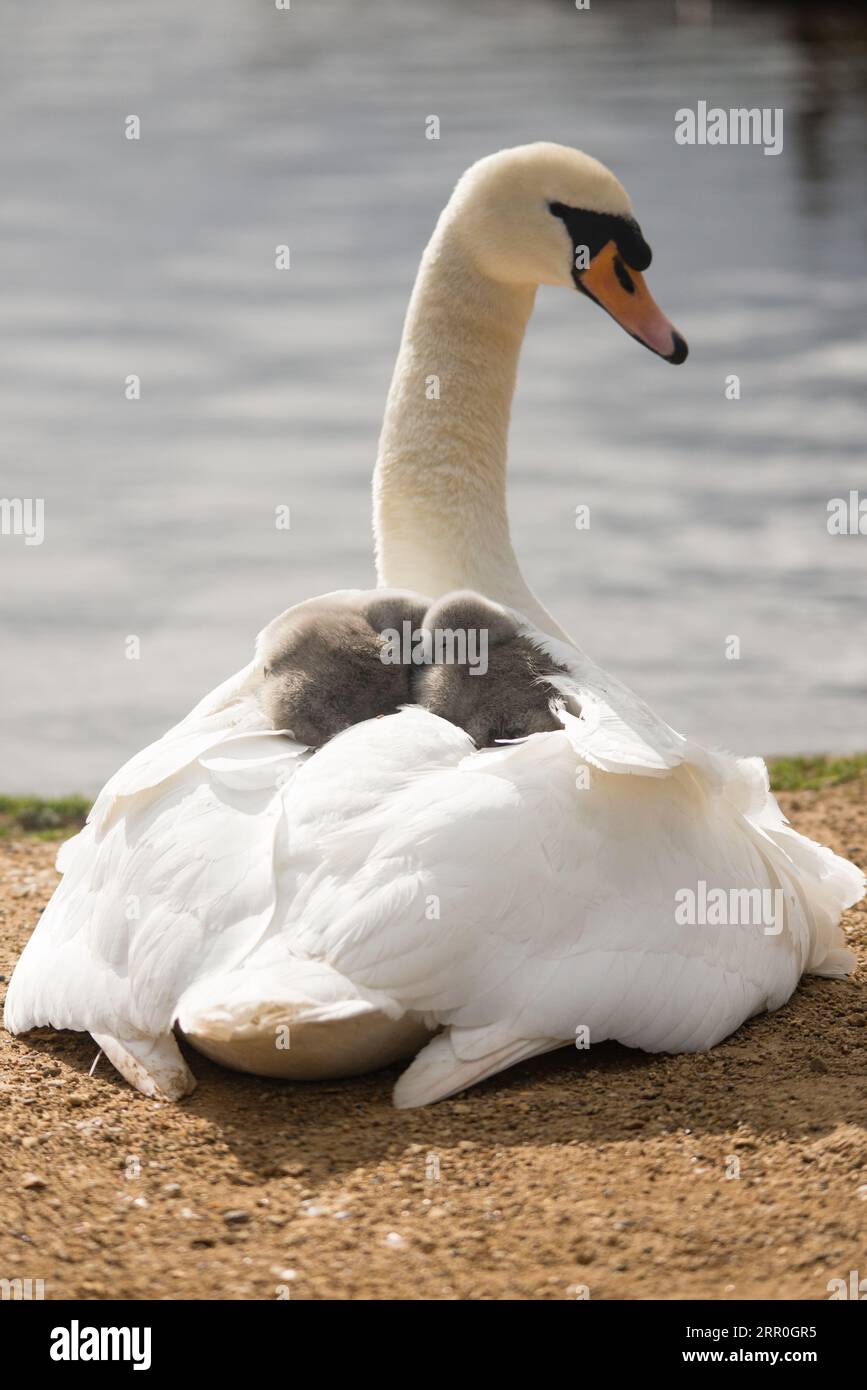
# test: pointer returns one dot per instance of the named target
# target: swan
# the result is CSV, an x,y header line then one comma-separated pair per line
x,y
399,893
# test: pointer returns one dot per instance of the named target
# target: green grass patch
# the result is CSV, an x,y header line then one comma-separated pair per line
x,y
813,773
56,818
47,818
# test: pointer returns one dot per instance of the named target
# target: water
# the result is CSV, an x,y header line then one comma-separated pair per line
x,y
708,516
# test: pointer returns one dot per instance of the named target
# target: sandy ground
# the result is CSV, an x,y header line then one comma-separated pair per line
x,y
608,1169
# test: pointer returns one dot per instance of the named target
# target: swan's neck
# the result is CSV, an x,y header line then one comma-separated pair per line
x,y
440,513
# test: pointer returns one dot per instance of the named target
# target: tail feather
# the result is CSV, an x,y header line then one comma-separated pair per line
x,y
438,1071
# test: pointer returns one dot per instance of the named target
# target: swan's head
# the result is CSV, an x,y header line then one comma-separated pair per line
x,y
548,215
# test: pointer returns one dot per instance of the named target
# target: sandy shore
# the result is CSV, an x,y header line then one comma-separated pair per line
x,y
608,1169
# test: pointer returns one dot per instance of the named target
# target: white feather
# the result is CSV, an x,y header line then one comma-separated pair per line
x,y
399,875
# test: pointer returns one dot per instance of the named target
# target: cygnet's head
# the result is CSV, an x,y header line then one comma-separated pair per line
x,y
510,698
545,214
323,667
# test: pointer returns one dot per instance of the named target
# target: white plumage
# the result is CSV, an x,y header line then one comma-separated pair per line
x,y
399,890
398,881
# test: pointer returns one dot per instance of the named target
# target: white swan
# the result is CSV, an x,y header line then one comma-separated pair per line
x,y
397,883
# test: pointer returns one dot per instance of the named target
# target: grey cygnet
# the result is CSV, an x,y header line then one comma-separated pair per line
x,y
323,663
511,699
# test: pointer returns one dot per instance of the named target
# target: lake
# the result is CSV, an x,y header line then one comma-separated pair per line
x,y
155,257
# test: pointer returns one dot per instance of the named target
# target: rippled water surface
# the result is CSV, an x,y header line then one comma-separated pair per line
x,y
259,127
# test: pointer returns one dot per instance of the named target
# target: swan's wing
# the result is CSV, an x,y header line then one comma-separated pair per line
x,y
492,894
440,1071
606,723
180,883
230,707
172,878
512,904
177,749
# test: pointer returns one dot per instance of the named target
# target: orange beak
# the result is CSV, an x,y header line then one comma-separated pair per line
x,y
623,294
